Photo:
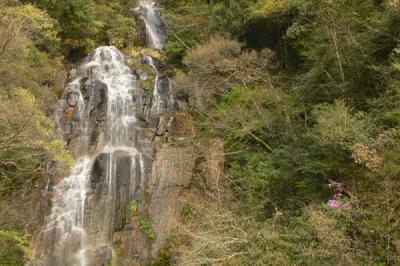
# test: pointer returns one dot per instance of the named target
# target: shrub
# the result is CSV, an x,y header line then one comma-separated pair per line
x,y
145,225
13,248
28,141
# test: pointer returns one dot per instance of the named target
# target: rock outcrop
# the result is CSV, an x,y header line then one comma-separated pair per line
x,y
211,164
157,207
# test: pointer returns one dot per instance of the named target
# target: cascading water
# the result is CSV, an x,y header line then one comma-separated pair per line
x,y
156,37
163,99
98,115
63,238
155,32
64,226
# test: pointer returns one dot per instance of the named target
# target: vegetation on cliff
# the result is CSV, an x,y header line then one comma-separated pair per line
x,y
304,95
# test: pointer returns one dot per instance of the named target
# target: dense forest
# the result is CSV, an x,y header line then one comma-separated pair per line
x,y
304,95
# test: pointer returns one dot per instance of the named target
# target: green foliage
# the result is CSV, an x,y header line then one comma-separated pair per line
x,y
35,23
85,23
13,248
31,38
321,103
76,19
337,126
28,140
219,65
192,22
228,16
163,258
187,24
318,235
26,34
324,108
145,225
340,47
119,31
286,179
133,208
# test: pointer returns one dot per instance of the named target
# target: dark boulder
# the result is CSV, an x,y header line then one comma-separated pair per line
x,y
99,171
96,94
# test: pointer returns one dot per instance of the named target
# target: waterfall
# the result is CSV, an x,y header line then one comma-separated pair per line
x,y
156,37
98,114
63,240
155,32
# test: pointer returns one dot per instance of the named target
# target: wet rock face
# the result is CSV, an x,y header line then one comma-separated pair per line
x,y
84,103
95,93
144,193
98,205
123,192
102,204
99,173
72,98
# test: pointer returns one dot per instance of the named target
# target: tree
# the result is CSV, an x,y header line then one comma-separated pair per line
x,y
28,142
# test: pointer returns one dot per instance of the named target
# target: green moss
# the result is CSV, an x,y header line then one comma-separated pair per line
x,y
133,208
145,225
148,84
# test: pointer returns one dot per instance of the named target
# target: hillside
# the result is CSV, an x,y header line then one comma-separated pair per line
x,y
235,132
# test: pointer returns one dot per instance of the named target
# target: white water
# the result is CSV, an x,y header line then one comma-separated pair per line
x,y
155,32
157,106
63,237
156,38
64,226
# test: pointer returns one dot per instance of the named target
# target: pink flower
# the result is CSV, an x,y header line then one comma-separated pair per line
x,y
334,203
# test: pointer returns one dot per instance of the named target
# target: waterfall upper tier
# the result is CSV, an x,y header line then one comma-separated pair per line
x,y
156,34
